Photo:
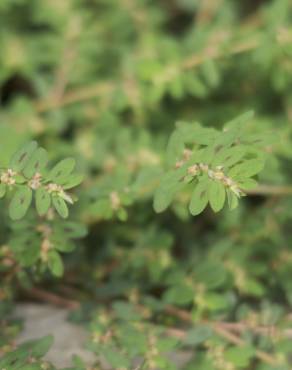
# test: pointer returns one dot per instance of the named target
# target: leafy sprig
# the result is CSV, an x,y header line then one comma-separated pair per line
x,y
219,165
27,176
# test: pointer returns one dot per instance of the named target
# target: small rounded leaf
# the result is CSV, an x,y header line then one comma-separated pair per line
x,y
74,229
199,198
246,169
217,194
232,199
22,156
43,201
55,264
41,346
20,203
62,170
170,184
3,188
60,206
36,162
72,181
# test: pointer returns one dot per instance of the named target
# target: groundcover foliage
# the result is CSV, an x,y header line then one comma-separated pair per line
x,y
145,179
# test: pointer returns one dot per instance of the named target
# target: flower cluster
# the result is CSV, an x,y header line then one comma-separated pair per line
x,y
215,174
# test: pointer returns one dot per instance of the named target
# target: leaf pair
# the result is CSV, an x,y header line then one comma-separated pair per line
x,y
61,174
29,159
207,191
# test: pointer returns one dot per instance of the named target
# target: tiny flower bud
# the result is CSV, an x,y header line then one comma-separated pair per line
x,y
178,164
115,200
193,170
219,175
203,167
187,154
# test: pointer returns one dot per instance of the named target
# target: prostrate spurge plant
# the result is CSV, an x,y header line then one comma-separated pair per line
x,y
215,164
104,81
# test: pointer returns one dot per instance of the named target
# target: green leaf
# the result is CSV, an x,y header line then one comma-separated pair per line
x,y
36,162
41,346
60,206
62,170
216,301
216,195
240,120
228,157
209,153
194,133
30,253
115,358
16,358
20,203
232,199
126,311
102,208
31,367
198,335
22,156
210,73
43,201
175,147
35,348
55,263
64,246
74,230
122,214
247,184
195,86
167,344
20,179
170,184
3,188
72,181
211,274
246,169
199,198
240,356
179,294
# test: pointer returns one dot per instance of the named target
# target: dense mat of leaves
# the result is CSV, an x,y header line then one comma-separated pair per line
x,y
155,116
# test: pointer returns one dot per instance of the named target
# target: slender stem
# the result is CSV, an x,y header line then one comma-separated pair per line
x,y
277,190
83,94
52,298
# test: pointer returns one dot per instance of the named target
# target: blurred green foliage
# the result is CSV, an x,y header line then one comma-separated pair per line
x,y
144,95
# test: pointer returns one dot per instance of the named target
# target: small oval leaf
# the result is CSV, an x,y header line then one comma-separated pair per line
x,y
55,263
199,198
62,170
72,181
22,156
60,206
20,203
42,200
3,188
216,194
36,163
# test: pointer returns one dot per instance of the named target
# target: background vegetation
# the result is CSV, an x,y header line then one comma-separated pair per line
x,y
104,82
